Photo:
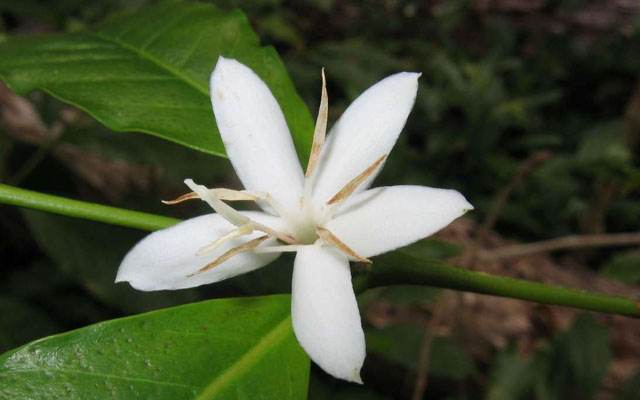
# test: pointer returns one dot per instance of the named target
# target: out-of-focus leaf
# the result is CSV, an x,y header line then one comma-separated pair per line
x,y
149,71
354,65
432,249
573,365
222,349
576,362
589,350
512,377
90,253
604,145
631,390
448,360
399,343
278,28
623,267
402,344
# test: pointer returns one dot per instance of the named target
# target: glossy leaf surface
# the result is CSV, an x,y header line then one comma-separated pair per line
x,y
149,71
222,349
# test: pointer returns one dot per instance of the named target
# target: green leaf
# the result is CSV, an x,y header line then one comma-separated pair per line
x,y
576,362
624,267
432,249
589,351
512,376
149,72
631,389
448,360
222,349
401,344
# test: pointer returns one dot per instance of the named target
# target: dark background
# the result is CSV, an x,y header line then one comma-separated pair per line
x,y
532,100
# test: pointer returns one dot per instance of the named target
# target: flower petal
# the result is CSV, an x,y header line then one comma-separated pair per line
x,y
255,133
164,259
366,131
325,313
383,219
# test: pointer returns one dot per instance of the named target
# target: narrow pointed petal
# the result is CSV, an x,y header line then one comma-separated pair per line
x,y
166,258
383,219
325,313
366,131
255,134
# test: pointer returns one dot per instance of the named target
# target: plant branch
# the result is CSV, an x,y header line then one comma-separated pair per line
x,y
500,201
566,242
80,209
395,268
399,268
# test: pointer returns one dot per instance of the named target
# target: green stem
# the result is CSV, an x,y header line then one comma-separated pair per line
x,y
396,268
80,209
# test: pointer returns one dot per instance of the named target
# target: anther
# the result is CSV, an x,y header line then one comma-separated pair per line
x,y
245,229
355,182
220,193
184,197
234,217
320,130
333,240
218,205
230,253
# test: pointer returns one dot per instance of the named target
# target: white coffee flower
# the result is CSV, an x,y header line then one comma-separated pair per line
x,y
326,215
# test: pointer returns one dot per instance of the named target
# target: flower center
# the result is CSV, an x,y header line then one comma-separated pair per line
x,y
305,224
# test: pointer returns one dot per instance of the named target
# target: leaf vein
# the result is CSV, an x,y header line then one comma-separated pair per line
x,y
161,64
192,50
158,34
278,333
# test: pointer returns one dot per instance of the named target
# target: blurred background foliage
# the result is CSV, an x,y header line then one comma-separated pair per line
x,y
502,80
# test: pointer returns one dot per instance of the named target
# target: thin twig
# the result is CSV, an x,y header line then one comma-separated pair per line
x,y
562,243
524,169
425,354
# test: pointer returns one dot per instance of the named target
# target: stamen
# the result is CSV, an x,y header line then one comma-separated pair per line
x,y
320,130
333,240
245,229
184,197
278,235
277,249
234,217
221,193
227,212
355,182
230,253
235,195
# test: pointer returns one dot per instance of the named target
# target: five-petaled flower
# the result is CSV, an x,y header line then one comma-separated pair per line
x,y
326,215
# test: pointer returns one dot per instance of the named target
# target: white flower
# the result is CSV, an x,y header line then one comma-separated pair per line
x,y
326,215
